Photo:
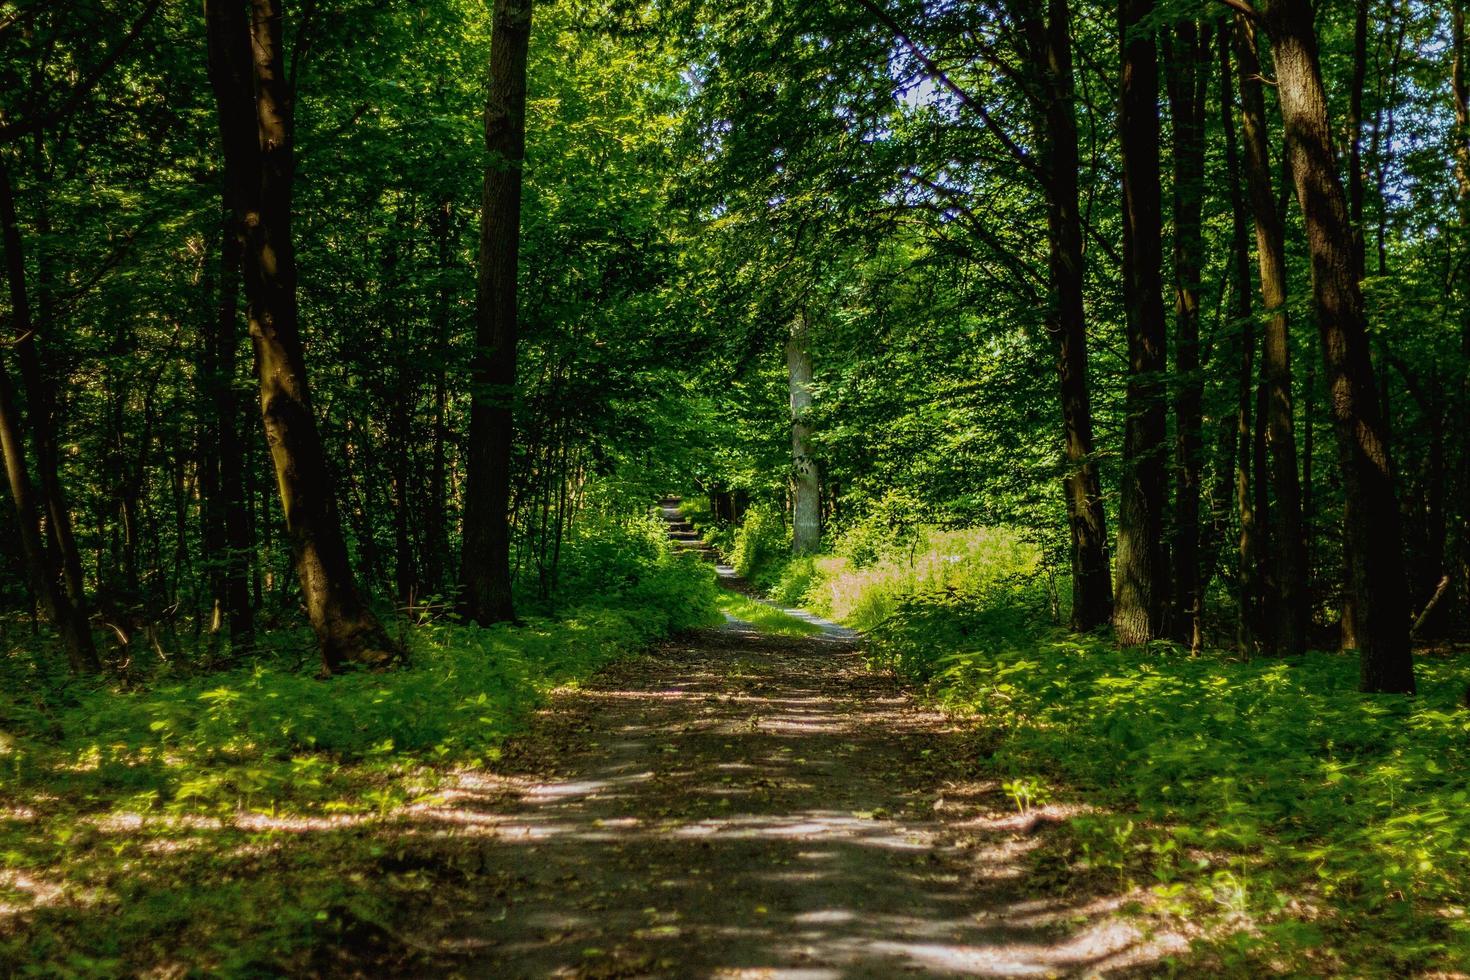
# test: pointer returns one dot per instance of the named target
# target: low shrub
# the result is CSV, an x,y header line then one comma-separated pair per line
x,y
121,850
1328,831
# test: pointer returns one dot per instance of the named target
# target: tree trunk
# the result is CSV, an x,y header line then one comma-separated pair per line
x,y
1050,41
485,570
40,562
436,518
1460,92
227,540
1372,531
1188,83
1236,438
41,403
1142,576
346,629
1287,578
806,511
66,606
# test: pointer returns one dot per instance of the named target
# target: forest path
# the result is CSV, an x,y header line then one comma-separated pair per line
x,y
733,804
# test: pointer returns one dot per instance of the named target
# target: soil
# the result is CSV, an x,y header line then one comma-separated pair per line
x,y
733,804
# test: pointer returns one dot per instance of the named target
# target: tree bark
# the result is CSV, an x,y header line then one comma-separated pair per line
x,y
1287,576
1236,456
1049,37
1188,84
65,604
346,629
806,487
1142,576
1460,93
1372,524
42,572
485,566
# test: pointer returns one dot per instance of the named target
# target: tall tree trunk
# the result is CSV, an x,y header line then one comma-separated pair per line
x,y
806,484
1372,527
42,572
1188,84
485,566
264,170
41,402
1460,93
227,541
1050,42
1142,575
66,603
1235,453
1288,572
1355,125
436,519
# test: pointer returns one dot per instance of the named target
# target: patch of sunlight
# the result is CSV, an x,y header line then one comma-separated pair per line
x,y
765,619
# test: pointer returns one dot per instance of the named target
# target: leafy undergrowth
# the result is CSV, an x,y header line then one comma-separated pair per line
x,y
1310,828
234,822
764,618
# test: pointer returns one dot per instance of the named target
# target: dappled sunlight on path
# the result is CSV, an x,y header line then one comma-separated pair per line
x,y
736,805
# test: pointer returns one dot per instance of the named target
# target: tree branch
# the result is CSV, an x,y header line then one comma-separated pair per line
x,y
965,99
9,132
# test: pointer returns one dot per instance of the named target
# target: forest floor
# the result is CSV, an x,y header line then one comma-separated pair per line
x,y
736,803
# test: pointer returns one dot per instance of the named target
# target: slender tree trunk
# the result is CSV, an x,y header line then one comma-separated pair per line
x,y
1372,531
1235,437
346,629
1050,40
436,520
806,489
485,569
1142,575
1460,93
226,536
41,402
1188,83
1355,125
1288,572
66,603
40,562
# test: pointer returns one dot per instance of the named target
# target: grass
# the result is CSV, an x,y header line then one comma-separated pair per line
x,y
240,823
1308,828
766,619
1295,825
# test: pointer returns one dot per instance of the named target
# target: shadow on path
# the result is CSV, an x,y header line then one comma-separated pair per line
x,y
732,805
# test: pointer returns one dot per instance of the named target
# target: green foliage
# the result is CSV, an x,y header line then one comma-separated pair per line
x,y
762,545
765,618
157,760
1333,829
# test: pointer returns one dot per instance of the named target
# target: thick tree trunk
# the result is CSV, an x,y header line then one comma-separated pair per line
x,y
1142,576
485,569
806,484
1372,531
346,629
1050,41
1287,577
1188,84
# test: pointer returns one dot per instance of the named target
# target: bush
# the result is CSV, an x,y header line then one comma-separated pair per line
x,y
1335,823
101,783
762,545
993,567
